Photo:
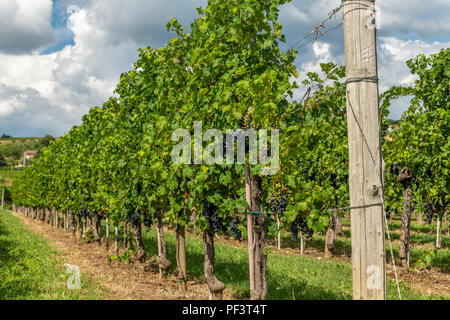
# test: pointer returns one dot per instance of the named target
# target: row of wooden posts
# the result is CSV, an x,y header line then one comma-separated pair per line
x,y
88,229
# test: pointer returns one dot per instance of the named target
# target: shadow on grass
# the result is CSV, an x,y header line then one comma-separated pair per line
x,y
288,277
283,280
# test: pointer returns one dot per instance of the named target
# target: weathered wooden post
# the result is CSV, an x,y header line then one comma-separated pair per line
x,y
365,172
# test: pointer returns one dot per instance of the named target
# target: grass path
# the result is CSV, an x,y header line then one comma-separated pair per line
x,y
32,269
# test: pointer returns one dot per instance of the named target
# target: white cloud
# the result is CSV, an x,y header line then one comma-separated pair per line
x,y
424,18
25,25
50,93
291,11
58,88
393,71
393,54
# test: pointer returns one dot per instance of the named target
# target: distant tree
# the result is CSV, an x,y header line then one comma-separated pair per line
x,y
3,162
5,136
46,140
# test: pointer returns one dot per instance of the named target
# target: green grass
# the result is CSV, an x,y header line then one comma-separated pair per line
x,y
31,269
288,277
343,245
416,227
416,238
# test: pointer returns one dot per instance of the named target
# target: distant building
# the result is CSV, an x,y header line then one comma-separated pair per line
x,y
393,127
29,154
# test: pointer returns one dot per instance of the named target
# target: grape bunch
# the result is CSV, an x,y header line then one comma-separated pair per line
x,y
301,225
345,179
186,182
235,232
429,213
333,178
210,213
308,177
138,189
135,219
147,221
84,213
278,201
294,231
307,231
395,169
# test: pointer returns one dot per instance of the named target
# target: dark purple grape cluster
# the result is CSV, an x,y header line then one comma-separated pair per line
x,y
148,221
333,179
210,213
186,181
139,189
235,232
429,213
135,219
294,231
84,213
301,225
307,176
278,201
395,169
345,179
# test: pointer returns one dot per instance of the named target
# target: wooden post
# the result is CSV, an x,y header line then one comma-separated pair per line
x,y
278,232
302,243
446,221
250,233
107,234
3,198
365,172
438,232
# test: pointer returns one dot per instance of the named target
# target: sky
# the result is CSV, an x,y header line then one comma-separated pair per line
x,y
59,58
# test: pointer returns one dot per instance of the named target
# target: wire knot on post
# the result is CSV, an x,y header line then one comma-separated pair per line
x,y
361,79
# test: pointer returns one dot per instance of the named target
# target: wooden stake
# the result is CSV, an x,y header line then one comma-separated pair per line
x,y
278,232
446,221
250,233
3,198
366,183
438,232
302,243
107,234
